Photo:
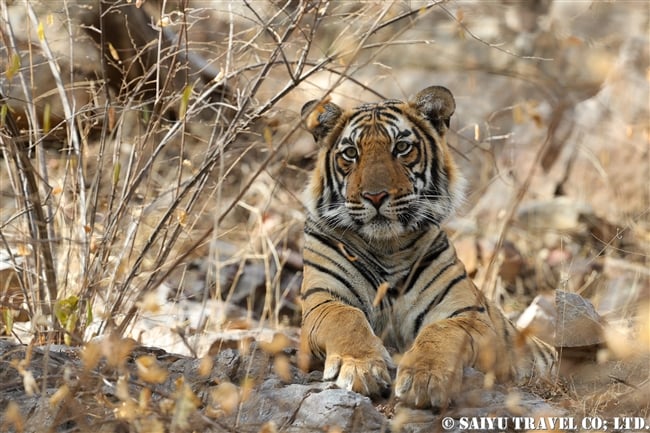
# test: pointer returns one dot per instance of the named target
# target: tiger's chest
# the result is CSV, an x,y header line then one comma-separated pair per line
x,y
389,288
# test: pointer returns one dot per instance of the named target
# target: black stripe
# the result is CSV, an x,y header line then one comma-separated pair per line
x,y
440,245
375,278
366,265
362,111
315,290
341,170
429,283
424,152
362,264
404,133
327,185
460,311
411,243
417,160
437,300
331,260
340,279
506,323
472,342
434,168
363,261
325,240
316,326
308,312
437,249
543,353
383,115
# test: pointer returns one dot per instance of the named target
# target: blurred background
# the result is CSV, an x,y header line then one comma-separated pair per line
x,y
153,157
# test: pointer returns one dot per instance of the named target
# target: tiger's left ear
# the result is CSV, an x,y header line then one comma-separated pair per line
x,y
320,117
436,104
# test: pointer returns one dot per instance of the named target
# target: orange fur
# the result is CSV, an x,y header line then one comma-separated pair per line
x,y
380,272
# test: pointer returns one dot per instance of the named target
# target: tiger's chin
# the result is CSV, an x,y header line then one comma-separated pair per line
x,y
382,230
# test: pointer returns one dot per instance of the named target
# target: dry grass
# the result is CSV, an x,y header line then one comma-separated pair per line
x,y
115,190
130,197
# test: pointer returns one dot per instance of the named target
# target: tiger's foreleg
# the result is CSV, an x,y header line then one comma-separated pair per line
x,y
354,355
430,373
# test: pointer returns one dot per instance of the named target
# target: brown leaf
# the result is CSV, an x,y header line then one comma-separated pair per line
x,y
149,370
381,292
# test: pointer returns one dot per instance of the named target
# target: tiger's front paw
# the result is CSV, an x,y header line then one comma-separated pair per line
x,y
362,369
428,379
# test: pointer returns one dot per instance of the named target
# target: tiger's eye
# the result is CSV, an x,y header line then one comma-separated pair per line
x,y
402,147
350,153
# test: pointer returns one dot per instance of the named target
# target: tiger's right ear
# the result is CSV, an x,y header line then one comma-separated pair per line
x,y
320,117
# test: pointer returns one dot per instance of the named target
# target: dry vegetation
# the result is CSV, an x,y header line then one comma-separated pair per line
x,y
152,158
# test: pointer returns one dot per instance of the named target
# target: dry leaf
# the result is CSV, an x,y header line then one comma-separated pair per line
x,y
117,350
224,397
185,405
90,355
279,342
31,387
127,410
41,32
12,416
59,395
149,370
149,303
113,52
111,118
282,368
268,137
205,365
151,424
269,427
247,386
145,399
348,256
122,389
381,292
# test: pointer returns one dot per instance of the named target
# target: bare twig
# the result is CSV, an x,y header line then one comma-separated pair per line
x,y
492,268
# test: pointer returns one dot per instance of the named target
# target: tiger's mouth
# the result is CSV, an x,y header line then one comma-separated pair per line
x,y
380,220
381,227
385,222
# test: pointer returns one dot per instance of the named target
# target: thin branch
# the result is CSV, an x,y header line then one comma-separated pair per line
x,y
489,44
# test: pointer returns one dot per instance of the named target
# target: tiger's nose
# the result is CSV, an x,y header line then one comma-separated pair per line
x,y
376,198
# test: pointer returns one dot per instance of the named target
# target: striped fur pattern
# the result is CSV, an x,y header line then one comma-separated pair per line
x,y
379,271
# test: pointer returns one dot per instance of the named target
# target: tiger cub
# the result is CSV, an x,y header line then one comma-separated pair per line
x,y
379,269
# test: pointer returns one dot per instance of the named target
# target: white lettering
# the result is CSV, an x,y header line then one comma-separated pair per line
x,y
484,423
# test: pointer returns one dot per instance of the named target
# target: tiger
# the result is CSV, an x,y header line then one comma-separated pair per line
x,y
380,272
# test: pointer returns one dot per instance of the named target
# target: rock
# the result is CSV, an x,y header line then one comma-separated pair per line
x,y
314,407
559,213
578,323
626,283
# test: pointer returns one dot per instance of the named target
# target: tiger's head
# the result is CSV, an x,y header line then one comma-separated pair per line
x,y
384,170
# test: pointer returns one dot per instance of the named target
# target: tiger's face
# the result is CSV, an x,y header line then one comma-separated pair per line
x,y
384,170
